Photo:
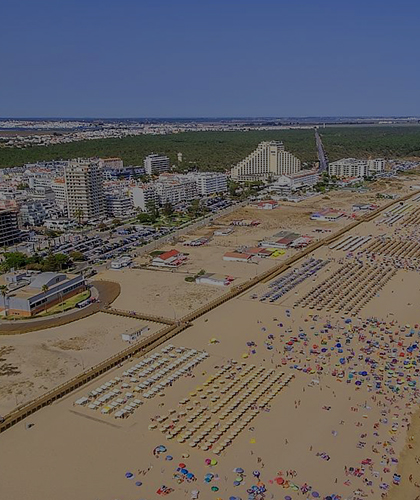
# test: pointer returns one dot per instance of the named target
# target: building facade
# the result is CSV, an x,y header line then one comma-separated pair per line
x,y
299,180
9,228
353,167
156,164
269,160
144,196
84,190
173,188
111,163
118,204
209,182
40,292
34,212
58,187
376,166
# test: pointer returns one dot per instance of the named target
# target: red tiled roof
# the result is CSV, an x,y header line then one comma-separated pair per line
x,y
168,255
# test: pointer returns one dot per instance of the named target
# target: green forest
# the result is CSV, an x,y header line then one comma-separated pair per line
x,y
221,150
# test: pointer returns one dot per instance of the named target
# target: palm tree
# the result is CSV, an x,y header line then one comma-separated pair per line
x,y
78,213
45,289
3,291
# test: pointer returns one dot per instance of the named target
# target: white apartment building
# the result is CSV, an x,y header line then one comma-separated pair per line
x,y
118,204
34,212
39,179
376,166
84,189
209,182
111,163
156,164
142,196
268,160
175,188
58,187
299,180
352,167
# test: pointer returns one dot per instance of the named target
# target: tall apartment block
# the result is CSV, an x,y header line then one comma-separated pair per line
x,y
209,182
9,230
268,160
156,164
84,189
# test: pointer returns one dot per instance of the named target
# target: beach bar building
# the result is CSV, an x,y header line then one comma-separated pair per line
x,y
132,336
172,258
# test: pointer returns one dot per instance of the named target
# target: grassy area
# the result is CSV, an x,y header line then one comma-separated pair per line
x,y
68,304
156,253
221,150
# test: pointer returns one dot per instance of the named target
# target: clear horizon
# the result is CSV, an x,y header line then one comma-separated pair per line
x,y
159,59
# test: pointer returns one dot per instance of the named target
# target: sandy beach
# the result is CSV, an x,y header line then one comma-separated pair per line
x,y
281,398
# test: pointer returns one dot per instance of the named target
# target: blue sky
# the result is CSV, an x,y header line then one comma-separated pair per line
x,y
179,58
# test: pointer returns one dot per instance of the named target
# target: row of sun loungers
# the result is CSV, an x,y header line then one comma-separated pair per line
x,y
148,377
290,280
246,390
349,288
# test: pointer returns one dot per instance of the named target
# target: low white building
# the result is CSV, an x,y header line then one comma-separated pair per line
x,y
172,259
214,279
121,262
133,336
299,180
59,224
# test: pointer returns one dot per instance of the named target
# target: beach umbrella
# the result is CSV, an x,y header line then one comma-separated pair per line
x,y
315,494
128,475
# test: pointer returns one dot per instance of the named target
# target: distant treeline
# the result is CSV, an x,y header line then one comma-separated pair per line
x,y
221,150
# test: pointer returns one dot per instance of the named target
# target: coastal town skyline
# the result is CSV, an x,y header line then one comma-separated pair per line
x,y
209,250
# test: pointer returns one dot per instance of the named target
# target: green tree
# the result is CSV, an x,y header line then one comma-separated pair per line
x,y
79,214
143,218
196,208
153,210
14,260
3,291
168,209
77,256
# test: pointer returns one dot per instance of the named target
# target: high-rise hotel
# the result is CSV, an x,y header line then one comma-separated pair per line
x,y
269,160
84,189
